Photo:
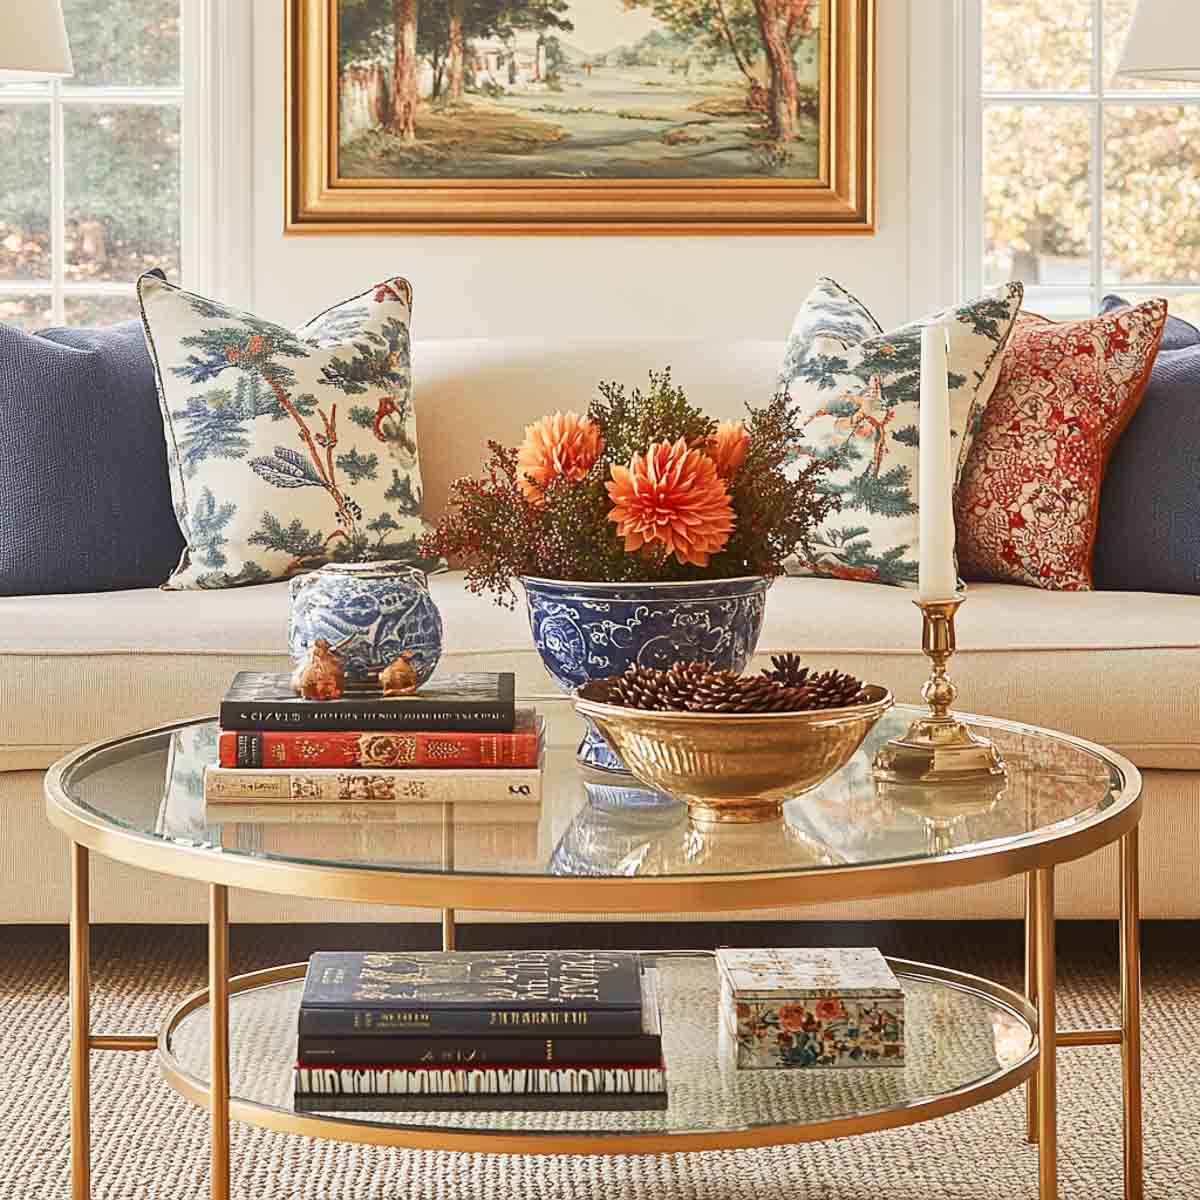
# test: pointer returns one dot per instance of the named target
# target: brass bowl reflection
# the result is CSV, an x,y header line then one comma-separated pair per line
x,y
734,766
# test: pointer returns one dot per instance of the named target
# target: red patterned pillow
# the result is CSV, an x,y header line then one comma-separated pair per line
x,y
1028,500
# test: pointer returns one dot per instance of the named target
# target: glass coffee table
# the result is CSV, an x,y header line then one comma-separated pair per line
x,y
600,843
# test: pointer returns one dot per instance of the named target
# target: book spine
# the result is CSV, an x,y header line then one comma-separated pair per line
x,y
517,812
473,1081
433,751
306,716
454,1022
369,787
485,1102
369,1051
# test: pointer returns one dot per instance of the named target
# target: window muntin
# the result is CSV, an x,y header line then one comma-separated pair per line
x,y
90,194
1089,180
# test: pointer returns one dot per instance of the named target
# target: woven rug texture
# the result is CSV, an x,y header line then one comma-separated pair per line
x,y
150,1143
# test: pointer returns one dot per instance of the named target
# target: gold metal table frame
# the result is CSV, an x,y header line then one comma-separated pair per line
x,y
1035,859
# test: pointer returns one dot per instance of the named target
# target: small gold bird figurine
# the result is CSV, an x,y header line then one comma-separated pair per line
x,y
399,678
320,675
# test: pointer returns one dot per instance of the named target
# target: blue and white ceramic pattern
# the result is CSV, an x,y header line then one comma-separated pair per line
x,y
587,631
372,612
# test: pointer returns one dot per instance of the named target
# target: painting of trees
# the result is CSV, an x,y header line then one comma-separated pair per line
x,y
597,89
782,23
405,31
749,31
404,69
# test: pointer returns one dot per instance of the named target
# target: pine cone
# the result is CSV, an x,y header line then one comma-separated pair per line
x,y
694,687
787,669
833,690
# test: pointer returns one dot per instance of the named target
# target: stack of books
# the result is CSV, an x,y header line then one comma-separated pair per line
x,y
460,738
483,1031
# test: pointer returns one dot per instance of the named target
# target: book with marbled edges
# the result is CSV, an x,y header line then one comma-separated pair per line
x,y
494,992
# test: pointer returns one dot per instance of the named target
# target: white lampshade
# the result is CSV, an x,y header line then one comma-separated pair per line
x,y
33,40
1164,41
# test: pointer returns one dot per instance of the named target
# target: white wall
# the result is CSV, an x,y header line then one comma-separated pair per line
x,y
585,286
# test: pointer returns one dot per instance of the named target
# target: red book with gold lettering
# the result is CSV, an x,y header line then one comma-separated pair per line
x,y
342,748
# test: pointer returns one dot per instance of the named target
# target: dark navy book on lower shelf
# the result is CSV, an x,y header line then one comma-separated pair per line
x,y
497,993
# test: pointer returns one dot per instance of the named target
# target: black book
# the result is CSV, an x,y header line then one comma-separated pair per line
x,y
519,992
470,702
643,1050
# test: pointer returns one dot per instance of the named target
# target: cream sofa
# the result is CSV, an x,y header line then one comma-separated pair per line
x,y
1120,669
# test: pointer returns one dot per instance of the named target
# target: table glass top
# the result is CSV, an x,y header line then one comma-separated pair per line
x,y
598,825
958,1037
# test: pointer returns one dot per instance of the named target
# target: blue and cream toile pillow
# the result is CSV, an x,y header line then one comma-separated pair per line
x,y
286,449
858,390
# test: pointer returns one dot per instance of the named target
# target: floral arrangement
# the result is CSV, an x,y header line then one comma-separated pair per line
x,y
645,488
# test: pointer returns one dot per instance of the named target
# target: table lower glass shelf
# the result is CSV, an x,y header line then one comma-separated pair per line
x,y
967,1041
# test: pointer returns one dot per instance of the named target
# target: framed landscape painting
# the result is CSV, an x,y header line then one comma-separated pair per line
x,y
580,115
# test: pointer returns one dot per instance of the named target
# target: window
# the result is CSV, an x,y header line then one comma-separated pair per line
x,y
1090,181
91,181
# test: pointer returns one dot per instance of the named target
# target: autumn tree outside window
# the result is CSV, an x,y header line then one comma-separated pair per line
x,y
90,196
1089,182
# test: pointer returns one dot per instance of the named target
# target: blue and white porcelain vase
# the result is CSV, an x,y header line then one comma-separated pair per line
x,y
372,613
588,631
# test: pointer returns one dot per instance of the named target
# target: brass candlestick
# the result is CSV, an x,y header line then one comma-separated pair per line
x,y
939,748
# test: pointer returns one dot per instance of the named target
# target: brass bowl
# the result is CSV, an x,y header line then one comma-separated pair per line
x,y
734,766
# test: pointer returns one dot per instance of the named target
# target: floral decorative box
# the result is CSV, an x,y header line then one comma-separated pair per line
x,y
812,1008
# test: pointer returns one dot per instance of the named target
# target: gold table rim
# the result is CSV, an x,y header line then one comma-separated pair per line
x,y
614,894
346,1129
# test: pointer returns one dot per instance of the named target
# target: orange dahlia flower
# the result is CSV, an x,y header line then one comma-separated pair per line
x,y
671,495
564,444
728,446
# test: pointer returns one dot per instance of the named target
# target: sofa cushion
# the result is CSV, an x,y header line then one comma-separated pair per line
x,y
85,503
858,391
286,448
1116,668
1027,506
1149,535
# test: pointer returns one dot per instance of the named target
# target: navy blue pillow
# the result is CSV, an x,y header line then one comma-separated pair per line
x,y
1149,534
85,501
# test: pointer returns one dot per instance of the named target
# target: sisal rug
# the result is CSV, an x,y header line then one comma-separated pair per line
x,y
149,1143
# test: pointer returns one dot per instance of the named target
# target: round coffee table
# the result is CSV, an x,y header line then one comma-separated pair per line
x,y
601,844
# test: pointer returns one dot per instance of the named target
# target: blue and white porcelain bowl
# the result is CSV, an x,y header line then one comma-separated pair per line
x,y
589,631
372,612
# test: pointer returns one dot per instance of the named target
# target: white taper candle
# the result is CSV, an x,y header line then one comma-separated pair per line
x,y
937,577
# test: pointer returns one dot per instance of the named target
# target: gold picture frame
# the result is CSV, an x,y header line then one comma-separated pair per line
x,y
840,198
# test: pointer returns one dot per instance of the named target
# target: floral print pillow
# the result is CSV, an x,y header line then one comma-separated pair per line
x,y
286,448
1029,501
859,391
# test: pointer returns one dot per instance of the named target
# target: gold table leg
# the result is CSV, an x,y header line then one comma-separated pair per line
x,y
1031,1118
1047,1074
1131,1014
449,930
218,1006
79,989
